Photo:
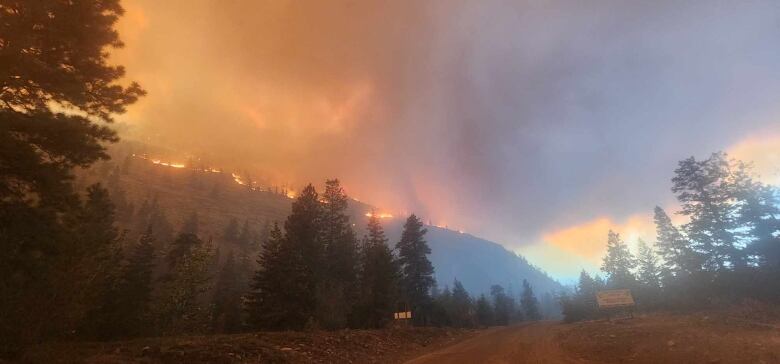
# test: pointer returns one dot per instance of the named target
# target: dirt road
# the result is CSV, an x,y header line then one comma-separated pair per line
x,y
732,337
527,343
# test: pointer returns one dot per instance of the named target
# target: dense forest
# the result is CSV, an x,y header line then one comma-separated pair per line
x,y
728,250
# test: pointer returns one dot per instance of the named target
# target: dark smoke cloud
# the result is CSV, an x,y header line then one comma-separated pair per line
x,y
505,118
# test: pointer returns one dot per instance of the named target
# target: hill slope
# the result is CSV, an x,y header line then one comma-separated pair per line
x,y
217,198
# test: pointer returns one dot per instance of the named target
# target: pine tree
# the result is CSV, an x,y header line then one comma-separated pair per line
x,y
226,304
182,247
378,279
678,256
305,256
484,311
59,91
648,267
338,289
503,305
271,304
760,216
417,271
461,308
96,255
125,311
619,262
707,192
180,306
529,303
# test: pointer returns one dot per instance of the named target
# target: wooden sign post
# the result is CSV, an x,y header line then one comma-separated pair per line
x,y
616,300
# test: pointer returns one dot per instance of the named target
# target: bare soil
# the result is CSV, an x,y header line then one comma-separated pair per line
x,y
731,336
345,346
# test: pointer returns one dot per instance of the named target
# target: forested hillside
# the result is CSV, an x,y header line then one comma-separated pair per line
x,y
217,198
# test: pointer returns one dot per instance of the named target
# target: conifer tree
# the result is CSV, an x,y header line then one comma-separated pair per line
x,y
338,289
461,307
678,256
305,257
707,193
226,312
97,255
619,262
503,305
378,279
124,313
417,271
529,303
759,215
180,305
270,304
649,272
484,311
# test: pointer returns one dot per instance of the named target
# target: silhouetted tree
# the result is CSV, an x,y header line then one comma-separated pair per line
x,y
417,270
529,303
338,288
676,251
503,305
618,263
707,192
378,279
484,311
54,57
226,304
461,310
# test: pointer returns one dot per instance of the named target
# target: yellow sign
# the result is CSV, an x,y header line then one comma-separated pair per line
x,y
614,298
403,315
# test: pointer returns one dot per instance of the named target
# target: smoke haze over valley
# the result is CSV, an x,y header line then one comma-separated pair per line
x,y
521,122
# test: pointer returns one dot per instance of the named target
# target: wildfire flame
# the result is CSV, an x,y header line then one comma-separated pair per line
x,y
380,215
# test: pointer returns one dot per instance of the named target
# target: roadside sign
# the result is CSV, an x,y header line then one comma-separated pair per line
x,y
403,315
615,298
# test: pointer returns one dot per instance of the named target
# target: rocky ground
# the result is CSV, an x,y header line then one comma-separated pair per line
x,y
346,346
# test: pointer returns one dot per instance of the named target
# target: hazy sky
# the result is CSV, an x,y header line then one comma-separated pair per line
x,y
538,124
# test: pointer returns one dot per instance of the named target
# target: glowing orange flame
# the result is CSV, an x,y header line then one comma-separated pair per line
x,y
380,215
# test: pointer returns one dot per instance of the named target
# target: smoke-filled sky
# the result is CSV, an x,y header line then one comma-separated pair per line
x,y
538,124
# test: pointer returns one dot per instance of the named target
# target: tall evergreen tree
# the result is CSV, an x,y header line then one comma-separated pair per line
x,y
529,303
503,305
678,256
95,259
462,307
707,192
417,271
378,279
484,311
54,58
226,313
271,305
649,272
124,312
305,257
338,288
180,305
619,262
759,215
